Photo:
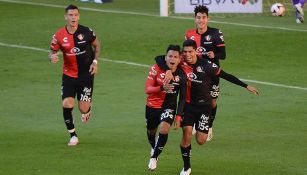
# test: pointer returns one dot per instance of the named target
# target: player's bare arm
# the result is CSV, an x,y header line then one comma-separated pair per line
x,y
53,56
94,66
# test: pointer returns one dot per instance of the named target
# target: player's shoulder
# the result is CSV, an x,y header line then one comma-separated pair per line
x,y
191,32
84,28
61,31
214,30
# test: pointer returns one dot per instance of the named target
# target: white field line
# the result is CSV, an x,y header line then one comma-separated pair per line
x,y
147,66
152,15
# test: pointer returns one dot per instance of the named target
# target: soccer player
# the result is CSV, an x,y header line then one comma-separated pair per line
x,y
211,46
299,12
81,50
162,101
200,73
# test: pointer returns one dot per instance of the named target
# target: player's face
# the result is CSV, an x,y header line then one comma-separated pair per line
x,y
72,18
201,20
172,59
189,54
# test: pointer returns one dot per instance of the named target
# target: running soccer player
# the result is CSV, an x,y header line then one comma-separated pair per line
x,y
162,102
211,46
299,11
81,50
200,73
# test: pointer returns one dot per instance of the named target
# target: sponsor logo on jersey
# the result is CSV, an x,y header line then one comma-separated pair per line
x,y
201,50
192,77
75,51
65,39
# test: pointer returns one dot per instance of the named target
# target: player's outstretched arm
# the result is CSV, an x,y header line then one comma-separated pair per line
x,y
235,80
53,56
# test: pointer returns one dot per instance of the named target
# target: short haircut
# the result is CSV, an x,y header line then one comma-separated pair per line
x,y
189,43
201,9
173,47
71,7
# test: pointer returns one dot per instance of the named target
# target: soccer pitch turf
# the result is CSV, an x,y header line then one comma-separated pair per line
x,y
252,135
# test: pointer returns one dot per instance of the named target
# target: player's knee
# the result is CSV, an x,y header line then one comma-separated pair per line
x,y
68,102
201,141
84,107
151,132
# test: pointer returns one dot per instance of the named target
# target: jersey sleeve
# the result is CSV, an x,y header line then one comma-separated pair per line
x,y
92,35
220,45
54,43
212,68
150,85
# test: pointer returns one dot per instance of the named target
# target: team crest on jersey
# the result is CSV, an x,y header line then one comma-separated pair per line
x,y
80,37
192,37
208,37
176,78
199,69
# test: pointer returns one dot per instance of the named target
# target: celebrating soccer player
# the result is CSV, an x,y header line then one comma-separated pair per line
x,y
197,110
81,50
162,101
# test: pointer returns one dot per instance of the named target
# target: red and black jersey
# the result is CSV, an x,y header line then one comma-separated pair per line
x,y
200,77
158,98
77,50
211,40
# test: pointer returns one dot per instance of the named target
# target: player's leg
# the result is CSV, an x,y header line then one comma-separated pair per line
x,y
186,148
299,12
166,120
84,95
152,116
185,145
215,91
202,124
68,94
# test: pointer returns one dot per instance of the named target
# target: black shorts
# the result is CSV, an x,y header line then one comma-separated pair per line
x,y
215,88
198,115
154,116
82,87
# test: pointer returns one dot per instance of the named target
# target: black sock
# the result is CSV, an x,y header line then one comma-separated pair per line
x,y
185,153
67,113
160,145
212,116
151,140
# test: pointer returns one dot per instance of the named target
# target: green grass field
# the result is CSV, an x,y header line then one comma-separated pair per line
x,y
252,135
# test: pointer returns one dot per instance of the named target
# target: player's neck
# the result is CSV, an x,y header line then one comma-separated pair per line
x,y
202,30
71,29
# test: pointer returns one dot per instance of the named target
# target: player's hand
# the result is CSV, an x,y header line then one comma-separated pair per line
x,y
168,76
168,87
53,57
177,122
211,54
94,68
252,90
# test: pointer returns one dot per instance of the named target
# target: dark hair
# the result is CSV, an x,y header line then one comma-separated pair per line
x,y
189,43
173,47
201,9
71,7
